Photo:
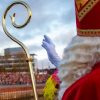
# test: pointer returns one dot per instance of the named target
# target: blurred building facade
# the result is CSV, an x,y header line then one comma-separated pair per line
x,y
14,63
15,59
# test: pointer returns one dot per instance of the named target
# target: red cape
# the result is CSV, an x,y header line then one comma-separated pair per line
x,y
86,88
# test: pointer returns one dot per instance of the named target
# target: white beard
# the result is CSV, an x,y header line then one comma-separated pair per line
x,y
78,60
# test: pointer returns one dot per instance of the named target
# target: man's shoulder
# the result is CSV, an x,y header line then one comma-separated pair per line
x,y
91,79
85,87
94,76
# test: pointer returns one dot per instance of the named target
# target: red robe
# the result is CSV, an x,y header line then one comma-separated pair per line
x,y
86,88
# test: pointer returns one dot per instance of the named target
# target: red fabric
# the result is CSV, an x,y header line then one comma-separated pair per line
x,y
86,88
91,20
88,17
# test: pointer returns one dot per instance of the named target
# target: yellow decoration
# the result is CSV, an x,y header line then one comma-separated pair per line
x,y
50,90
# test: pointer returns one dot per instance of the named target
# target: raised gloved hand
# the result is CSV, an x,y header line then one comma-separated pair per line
x,y
50,48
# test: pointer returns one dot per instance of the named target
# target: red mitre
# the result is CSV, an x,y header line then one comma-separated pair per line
x,y
88,17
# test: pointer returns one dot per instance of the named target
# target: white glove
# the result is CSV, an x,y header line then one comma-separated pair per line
x,y
50,48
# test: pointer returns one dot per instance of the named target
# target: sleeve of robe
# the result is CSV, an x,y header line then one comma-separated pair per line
x,y
86,88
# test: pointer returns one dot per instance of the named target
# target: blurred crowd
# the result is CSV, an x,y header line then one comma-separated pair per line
x,y
41,78
14,78
20,78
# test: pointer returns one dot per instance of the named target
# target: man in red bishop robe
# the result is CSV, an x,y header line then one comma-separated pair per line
x,y
79,70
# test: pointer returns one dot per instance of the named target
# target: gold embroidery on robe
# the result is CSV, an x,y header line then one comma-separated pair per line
x,y
81,3
83,9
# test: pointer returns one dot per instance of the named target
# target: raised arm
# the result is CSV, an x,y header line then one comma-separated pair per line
x,y
49,46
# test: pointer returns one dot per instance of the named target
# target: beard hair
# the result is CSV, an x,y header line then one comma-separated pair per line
x,y
78,59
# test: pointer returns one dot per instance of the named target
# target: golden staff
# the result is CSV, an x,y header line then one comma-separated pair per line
x,y
17,41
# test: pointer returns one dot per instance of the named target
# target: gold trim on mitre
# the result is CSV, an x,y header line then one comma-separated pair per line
x,y
89,32
81,14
